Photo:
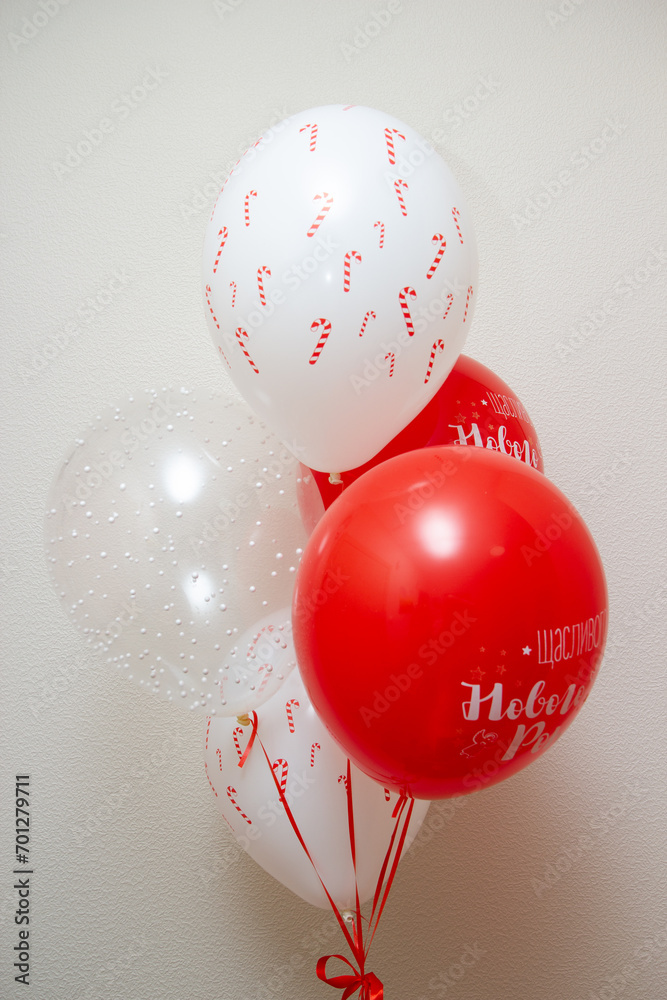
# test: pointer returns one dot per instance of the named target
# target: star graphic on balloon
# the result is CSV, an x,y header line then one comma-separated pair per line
x,y
503,652
501,669
527,650
459,417
475,414
477,673
482,649
484,403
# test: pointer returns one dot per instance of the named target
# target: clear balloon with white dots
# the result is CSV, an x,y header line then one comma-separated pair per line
x,y
172,534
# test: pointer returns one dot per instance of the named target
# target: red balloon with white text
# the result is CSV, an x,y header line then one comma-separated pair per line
x,y
450,617
473,407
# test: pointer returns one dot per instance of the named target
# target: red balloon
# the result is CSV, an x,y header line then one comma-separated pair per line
x,y
450,616
472,407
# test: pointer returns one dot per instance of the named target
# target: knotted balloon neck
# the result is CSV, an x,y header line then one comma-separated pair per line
x,y
248,721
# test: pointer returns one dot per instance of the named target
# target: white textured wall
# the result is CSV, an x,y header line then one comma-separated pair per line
x,y
152,903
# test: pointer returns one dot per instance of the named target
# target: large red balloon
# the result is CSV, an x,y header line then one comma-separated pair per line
x,y
472,407
450,616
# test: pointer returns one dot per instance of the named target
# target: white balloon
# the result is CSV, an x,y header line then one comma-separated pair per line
x,y
340,274
173,537
314,770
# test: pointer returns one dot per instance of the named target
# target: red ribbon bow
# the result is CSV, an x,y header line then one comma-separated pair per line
x,y
367,983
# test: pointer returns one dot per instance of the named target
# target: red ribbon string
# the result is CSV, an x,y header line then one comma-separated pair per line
x,y
290,816
366,983
357,925
394,866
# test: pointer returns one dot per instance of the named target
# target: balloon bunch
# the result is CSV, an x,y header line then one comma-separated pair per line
x,y
450,609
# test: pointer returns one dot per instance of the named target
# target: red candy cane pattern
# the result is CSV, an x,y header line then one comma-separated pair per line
x,y
265,679
208,293
246,206
393,359
381,225
240,332
437,238
342,780
387,795
439,345
224,233
328,202
218,754
290,713
369,315
261,271
389,134
457,216
232,793
313,748
403,299
450,301
326,330
313,135
282,764
225,357
467,302
398,184
349,257
213,788
238,732
232,285
279,641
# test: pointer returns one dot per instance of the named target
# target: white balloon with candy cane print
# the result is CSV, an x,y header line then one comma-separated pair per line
x,y
339,275
312,772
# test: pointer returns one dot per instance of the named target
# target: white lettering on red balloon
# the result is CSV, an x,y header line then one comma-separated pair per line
x,y
509,406
531,735
516,449
556,644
